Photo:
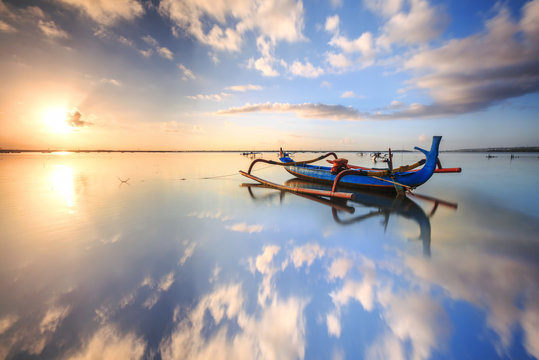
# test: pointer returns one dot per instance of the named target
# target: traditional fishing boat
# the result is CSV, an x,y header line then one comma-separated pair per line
x,y
397,180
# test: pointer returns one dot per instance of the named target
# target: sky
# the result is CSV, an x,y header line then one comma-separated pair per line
x,y
239,74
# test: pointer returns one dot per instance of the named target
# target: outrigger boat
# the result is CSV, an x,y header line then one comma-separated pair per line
x,y
403,178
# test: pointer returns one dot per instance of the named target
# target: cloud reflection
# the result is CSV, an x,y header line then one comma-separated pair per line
x,y
219,327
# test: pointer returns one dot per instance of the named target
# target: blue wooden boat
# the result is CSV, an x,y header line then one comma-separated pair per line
x,y
396,180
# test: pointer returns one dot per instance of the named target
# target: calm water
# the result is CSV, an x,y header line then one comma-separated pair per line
x,y
171,265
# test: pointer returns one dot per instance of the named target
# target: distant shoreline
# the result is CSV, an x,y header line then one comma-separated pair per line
x,y
527,149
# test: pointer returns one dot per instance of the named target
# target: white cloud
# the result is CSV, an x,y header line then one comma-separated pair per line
x,y
243,88
187,74
243,227
348,94
306,254
307,110
305,69
384,7
109,344
420,25
214,97
339,268
165,52
261,335
108,12
362,48
340,62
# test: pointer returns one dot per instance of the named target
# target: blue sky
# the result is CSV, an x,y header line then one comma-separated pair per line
x,y
239,74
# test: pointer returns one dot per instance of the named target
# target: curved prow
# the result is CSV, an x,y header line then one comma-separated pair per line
x,y
431,162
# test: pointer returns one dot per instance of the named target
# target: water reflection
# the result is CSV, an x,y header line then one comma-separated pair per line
x,y
62,184
195,269
373,205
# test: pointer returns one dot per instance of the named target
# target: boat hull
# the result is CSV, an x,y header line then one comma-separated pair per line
x,y
367,179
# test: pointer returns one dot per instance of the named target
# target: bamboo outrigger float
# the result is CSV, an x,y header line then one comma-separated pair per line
x,y
401,179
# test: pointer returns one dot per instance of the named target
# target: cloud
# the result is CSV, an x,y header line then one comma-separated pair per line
x,y
160,50
306,110
214,97
187,74
478,71
339,268
166,281
261,335
500,288
305,69
109,343
107,12
6,322
74,118
53,318
385,8
50,29
348,94
421,24
243,88
112,82
306,254
362,48
6,28
189,251
243,227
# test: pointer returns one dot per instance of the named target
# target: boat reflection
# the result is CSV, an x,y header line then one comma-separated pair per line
x,y
374,204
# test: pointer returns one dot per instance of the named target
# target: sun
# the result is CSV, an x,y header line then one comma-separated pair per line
x,y
56,120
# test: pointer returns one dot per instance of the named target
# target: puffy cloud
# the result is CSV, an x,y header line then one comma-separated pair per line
x,y
306,110
348,94
363,46
108,344
306,254
475,72
339,268
107,12
74,118
305,69
420,25
243,227
416,318
277,333
53,318
496,288
383,7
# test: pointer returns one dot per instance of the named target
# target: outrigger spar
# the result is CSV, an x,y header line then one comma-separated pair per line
x,y
403,178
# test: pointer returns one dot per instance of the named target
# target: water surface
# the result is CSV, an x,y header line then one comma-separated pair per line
x,y
182,261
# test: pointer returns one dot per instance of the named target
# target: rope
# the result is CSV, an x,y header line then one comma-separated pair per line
x,y
221,176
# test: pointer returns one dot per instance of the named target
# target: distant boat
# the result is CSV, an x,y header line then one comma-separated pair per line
x,y
396,180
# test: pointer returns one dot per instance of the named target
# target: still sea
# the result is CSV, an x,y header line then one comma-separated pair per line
x,y
173,256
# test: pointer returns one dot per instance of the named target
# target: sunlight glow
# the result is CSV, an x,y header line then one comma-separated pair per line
x,y
56,120
62,184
